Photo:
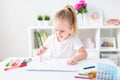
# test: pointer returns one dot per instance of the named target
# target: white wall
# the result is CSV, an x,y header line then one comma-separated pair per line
x,y
17,15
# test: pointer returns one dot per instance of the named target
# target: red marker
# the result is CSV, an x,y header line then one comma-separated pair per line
x,y
23,64
16,63
13,67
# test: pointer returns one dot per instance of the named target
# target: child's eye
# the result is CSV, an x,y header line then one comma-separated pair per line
x,y
56,30
62,31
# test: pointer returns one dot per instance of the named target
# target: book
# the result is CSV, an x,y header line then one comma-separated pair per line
x,y
41,36
40,40
45,36
36,35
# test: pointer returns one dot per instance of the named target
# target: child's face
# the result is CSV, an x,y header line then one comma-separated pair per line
x,y
62,29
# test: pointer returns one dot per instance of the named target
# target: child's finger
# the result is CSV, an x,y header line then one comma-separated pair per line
x,y
70,62
38,52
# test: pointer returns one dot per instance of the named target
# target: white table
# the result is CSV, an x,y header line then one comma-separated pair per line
x,y
22,74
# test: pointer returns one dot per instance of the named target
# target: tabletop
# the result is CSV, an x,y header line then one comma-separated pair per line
x,y
22,74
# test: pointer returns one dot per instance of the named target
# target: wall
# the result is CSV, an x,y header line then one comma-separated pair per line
x,y
16,16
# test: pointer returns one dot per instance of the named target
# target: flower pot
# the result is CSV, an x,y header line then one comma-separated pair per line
x,y
46,23
79,19
82,19
85,19
40,23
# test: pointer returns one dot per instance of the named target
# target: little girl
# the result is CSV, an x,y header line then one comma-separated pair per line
x,y
64,43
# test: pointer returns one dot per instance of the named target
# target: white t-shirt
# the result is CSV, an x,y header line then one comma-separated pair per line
x,y
65,49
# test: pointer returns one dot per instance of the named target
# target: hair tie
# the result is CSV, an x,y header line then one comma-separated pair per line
x,y
68,8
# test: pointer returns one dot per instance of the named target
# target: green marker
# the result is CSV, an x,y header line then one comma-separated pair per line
x,y
8,63
82,74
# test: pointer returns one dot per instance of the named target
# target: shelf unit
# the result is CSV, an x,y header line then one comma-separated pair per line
x,y
95,33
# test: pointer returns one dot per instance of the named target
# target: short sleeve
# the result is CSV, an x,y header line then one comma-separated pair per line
x,y
77,44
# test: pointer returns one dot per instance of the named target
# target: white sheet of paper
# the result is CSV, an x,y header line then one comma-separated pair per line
x,y
50,65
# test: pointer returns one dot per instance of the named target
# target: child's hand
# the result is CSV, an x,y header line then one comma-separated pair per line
x,y
39,52
72,61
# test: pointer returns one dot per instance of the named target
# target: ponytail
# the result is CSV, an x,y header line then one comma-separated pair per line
x,y
68,13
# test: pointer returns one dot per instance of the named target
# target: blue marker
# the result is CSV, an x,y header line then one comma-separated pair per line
x,y
89,67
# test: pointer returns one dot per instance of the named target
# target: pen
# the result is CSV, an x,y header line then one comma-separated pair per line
x,y
9,63
81,77
15,63
23,64
89,67
13,67
40,57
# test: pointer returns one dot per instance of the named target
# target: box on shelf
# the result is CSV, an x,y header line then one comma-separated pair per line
x,y
107,43
113,56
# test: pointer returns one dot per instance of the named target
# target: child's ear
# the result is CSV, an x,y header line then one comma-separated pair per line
x,y
71,30
71,27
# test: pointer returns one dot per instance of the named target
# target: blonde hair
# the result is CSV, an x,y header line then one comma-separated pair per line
x,y
68,13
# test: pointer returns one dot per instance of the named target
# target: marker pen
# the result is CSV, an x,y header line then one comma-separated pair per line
x,y
8,64
82,74
81,77
13,67
89,67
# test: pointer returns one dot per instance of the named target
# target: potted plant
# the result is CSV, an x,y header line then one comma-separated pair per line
x,y
46,20
46,17
40,20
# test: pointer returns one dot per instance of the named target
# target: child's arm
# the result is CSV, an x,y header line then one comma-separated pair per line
x,y
82,55
41,50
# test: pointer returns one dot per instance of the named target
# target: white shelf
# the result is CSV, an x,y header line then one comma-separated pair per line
x,y
110,27
109,50
92,50
93,32
88,27
81,27
99,27
43,27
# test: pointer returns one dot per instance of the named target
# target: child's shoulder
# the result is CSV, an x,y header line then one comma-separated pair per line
x,y
74,36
